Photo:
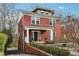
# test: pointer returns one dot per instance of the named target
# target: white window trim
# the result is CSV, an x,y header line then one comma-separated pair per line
x,y
52,22
51,35
55,22
35,19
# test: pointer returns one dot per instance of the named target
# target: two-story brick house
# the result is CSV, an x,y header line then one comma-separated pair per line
x,y
39,25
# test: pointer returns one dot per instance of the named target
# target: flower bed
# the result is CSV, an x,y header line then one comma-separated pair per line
x,y
52,49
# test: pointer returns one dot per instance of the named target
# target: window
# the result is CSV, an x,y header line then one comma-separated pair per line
x,y
48,13
35,20
54,35
52,22
42,12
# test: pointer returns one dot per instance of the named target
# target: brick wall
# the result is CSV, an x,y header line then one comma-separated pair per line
x,y
32,50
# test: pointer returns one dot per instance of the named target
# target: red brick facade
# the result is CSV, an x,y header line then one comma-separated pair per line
x,y
26,29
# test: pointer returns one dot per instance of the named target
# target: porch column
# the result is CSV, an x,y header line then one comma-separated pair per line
x,y
51,35
27,36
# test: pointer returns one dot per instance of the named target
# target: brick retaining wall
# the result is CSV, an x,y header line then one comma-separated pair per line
x,y
32,50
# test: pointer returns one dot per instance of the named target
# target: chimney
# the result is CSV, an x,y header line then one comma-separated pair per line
x,y
69,19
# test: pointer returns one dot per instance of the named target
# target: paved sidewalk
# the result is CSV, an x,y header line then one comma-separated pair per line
x,y
20,55
14,48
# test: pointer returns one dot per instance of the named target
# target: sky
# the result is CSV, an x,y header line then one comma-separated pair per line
x,y
71,8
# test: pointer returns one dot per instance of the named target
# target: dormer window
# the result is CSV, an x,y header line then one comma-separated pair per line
x,y
52,22
42,12
35,20
47,12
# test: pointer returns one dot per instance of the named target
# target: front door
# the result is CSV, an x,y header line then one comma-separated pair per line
x,y
35,36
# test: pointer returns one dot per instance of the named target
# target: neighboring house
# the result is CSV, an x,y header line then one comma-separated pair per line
x,y
39,25
71,27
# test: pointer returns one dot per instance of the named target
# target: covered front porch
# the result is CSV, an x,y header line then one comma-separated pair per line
x,y
38,34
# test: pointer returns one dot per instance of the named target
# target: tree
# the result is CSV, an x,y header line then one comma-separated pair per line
x,y
8,16
8,19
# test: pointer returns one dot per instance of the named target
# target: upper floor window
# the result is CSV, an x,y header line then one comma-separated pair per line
x,y
52,22
35,20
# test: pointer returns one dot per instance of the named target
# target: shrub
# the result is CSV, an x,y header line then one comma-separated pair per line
x,y
53,50
77,49
64,40
63,52
8,32
59,51
49,42
3,40
14,42
31,39
64,45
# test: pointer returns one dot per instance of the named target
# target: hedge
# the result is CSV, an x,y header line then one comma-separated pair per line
x,y
50,42
3,40
53,49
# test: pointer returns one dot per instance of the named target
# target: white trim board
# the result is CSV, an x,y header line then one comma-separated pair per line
x,y
38,28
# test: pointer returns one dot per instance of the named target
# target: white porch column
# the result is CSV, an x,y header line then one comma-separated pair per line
x,y
51,35
27,36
